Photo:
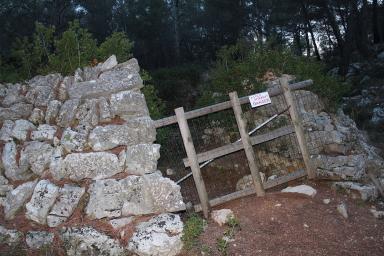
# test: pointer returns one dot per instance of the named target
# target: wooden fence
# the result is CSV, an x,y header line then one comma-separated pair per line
x,y
246,143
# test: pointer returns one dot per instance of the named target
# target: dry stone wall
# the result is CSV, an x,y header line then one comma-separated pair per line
x,y
83,144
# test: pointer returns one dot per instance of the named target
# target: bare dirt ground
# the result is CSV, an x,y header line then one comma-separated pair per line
x,y
294,224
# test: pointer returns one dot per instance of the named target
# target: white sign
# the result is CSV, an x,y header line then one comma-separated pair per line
x,y
259,99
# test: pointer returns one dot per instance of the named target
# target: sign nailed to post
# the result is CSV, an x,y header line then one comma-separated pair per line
x,y
259,99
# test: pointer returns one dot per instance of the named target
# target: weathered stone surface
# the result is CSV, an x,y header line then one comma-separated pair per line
x,y
104,110
13,95
111,62
222,216
16,199
10,237
87,115
44,132
142,158
119,223
247,181
95,165
73,141
6,130
351,167
56,166
39,93
134,195
111,136
67,201
5,188
159,236
21,129
37,116
16,111
11,167
38,239
367,192
43,198
342,209
301,189
128,104
88,241
123,77
62,94
377,214
67,113
52,111
36,156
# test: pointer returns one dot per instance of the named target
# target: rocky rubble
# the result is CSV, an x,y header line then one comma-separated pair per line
x,y
83,145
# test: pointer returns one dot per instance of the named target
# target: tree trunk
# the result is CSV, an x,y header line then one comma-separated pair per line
x,y
175,13
296,36
375,23
306,18
334,25
307,42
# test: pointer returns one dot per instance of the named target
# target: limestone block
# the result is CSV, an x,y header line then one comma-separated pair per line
x,y
67,202
88,241
159,236
16,111
94,165
43,198
44,132
128,104
142,158
17,198
67,113
52,111
6,130
21,129
38,239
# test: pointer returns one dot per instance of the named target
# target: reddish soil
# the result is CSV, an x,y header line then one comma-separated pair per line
x,y
300,226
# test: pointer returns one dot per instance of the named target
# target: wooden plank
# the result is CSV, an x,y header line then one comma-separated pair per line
x,y
275,91
236,146
250,191
253,162
297,123
191,153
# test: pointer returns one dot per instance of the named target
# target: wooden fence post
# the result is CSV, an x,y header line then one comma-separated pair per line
x,y
297,123
194,164
253,165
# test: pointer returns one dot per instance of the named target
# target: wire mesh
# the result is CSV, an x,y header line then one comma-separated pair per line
x,y
277,157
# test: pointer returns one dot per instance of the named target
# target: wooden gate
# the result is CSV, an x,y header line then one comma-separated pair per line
x,y
245,143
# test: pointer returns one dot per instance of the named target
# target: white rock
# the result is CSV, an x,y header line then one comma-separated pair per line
x,y
128,104
67,202
367,192
94,165
6,130
44,132
21,129
52,111
17,198
326,201
142,158
36,156
67,113
222,216
160,236
38,239
301,189
272,177
10,237
73,141
342,209
43,198
37,116
119,223
377,214
11,167
88,241
111,62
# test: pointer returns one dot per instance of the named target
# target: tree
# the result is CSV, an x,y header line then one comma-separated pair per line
x,y
118,44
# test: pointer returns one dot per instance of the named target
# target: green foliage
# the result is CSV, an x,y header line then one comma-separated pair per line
x,y
155,105
118,44
241,68
222,246
193,228
75,48
178,86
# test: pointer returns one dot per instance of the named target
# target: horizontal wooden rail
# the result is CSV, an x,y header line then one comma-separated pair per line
x,y
227,104
250,191
236,146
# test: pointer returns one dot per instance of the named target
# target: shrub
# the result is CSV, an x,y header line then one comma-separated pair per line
x,y
193,228
118,44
